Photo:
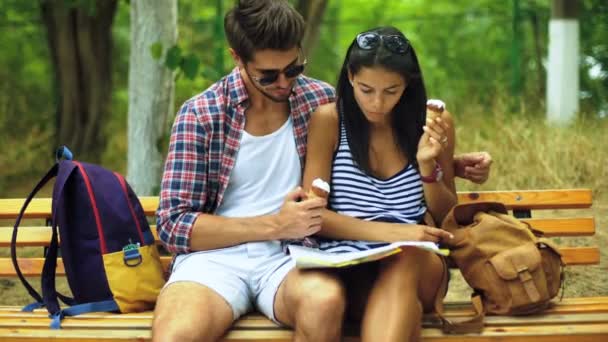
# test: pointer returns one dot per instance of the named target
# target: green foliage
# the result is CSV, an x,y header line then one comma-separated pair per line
x,y
190,66
594,59
174,57
465,49
175,60
27,98
156,50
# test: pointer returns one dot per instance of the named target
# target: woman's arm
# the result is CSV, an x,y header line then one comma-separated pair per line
x,y
440,196
343,227
321,144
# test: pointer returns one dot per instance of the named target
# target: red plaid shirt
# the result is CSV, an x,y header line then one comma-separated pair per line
x,y
205,138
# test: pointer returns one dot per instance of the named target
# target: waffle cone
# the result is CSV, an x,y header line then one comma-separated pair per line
x,y
316,192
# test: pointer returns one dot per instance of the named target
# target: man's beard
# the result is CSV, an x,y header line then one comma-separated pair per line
x,y
272,97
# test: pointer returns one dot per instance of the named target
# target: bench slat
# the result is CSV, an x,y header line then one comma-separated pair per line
x,y
254,326
580,255
532,199
41,236
33,266
38,208
541,333
583,226
453,309
429,321
41,207
37,236
98,335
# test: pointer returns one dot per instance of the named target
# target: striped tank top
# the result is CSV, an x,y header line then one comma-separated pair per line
x,y
398,199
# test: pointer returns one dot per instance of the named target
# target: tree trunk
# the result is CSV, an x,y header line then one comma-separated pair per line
x,y
563,62
150,91
80,42
538,56
312,11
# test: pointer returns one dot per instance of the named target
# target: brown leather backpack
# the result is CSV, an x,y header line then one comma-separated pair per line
x,y
512,271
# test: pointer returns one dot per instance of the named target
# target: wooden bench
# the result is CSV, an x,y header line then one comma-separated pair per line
x,y
578,319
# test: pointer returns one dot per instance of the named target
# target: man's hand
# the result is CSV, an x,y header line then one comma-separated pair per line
x,y
474,166
300,219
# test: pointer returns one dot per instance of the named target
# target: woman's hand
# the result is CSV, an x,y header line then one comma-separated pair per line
x,y
434,139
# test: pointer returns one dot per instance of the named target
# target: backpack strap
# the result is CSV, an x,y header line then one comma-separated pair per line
x,y
49,292
48,274
39,302
102,306
471,325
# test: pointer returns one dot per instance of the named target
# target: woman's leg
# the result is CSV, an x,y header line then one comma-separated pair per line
x,y
406,284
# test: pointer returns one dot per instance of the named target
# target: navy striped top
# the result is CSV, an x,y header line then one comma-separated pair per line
x,y
399,198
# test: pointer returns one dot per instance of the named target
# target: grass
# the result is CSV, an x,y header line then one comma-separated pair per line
x,y
530,154
527,153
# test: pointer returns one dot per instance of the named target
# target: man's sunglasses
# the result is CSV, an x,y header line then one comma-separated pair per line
x,y
271,76
372,40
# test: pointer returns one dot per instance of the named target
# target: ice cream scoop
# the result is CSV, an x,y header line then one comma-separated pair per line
x,y
440,105
319,188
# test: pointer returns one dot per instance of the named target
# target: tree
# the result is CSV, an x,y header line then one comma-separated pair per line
x,y
563,62
312,11
151,83
80,42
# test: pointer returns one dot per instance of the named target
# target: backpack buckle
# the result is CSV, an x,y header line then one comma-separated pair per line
x,y
131,255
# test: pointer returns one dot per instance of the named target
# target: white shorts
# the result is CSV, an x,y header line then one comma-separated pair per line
x,y
245,275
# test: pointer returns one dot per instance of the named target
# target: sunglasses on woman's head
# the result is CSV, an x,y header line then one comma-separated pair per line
x,y
271,76
372,40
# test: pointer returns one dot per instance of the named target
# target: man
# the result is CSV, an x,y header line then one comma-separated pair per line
x,y
236,151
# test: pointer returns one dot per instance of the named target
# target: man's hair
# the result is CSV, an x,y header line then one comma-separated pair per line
x,y
253,25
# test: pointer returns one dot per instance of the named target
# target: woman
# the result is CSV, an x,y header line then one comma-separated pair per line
x,y
389,166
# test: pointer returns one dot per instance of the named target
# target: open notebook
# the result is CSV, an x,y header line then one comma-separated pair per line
x,y
307,257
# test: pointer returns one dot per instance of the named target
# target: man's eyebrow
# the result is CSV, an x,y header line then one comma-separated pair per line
x,y
387,88
275,70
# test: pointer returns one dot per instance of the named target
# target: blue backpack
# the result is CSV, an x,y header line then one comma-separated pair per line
x,y
109,255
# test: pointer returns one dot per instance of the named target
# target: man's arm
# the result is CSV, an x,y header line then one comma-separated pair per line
x,y
212,231
474,166
181,224
297,219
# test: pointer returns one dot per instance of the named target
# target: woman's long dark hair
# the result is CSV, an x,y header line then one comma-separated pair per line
x,y
409,114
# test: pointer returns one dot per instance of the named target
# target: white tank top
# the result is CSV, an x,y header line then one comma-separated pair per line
x,y
266,168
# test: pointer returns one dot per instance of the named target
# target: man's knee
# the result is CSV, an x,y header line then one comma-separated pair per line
x,y
190,312
171,325
324,295
175,330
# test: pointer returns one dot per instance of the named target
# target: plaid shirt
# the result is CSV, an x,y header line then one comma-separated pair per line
x,y
204,141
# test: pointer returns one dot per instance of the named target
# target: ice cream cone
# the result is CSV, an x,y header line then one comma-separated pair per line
x,y
319,188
